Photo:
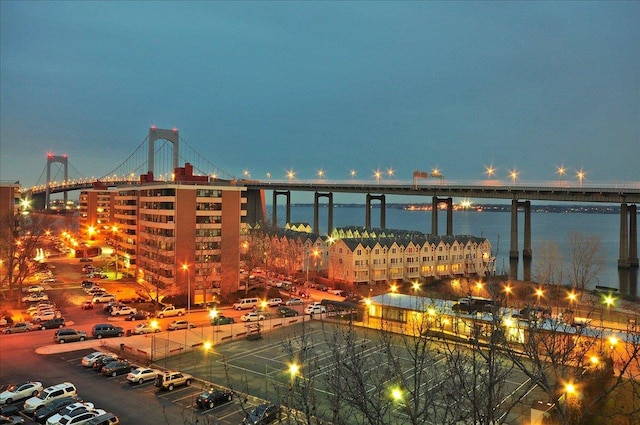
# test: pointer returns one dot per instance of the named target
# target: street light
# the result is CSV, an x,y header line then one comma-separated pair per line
x,y
539,294
185,267
114,229
154,327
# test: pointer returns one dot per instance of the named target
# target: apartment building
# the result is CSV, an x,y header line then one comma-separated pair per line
x,y
364,256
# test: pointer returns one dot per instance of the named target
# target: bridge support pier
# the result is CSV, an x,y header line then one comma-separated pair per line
x,y
383,210
316,214
434,215
287,194
628,255
513,251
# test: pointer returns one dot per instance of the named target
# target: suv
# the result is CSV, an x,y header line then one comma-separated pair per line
x,y
48,395
69,335
57,322
170,380
103,330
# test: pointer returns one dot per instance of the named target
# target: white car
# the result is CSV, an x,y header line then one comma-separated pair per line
x,y
33,288
140,375
45,315
80,417
124,311
69,410
315,309
35,297
145,328
90,359
252,317
294,301
103,298
274,302
180,324
20,391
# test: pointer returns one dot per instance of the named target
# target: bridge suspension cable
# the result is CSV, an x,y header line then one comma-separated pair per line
x,y
201,162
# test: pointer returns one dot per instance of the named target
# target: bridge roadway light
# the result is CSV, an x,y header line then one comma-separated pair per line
x,y
353,173
561,171
513,174
580,175
378,175
291,175
490,171
321,173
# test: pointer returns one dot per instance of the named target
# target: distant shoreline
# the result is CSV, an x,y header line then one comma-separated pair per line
x,y
418,207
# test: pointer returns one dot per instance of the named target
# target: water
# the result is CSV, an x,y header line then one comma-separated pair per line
x,y
496,226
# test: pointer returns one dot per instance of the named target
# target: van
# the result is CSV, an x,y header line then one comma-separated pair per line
x,y
48,395
246,304
106,330
105,419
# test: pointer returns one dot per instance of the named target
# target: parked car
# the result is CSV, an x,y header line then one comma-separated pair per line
x,y
45,315
103,330
11,420
90,359
116,368
49,280
57,322
146,328
252,317
33,288
274,302
69,335
287,312
70,409
172,379
222,320
103,298
48,395
20,391
315,309
19,327
138,315
42,414
80,417
123,311
262,414
180,324
140,375
35,297
211,398
294,301
104,360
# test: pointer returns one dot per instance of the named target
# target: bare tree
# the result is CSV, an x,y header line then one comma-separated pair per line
x,y
20,236
587,260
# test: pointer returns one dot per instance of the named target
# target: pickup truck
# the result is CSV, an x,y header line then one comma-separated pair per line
x,y
170,311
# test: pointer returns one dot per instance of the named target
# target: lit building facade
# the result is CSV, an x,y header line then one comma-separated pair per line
x,y
369,256
181,237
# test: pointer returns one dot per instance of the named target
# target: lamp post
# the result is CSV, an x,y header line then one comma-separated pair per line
x,y
114,229
154,326
185,267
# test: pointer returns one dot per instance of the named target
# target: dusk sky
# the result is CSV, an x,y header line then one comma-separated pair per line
x,y
338,86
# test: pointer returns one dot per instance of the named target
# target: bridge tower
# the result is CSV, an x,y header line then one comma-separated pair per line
x,y
162,134
51,158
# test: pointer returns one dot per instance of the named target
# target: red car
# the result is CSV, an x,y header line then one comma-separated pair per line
x,y
87,305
